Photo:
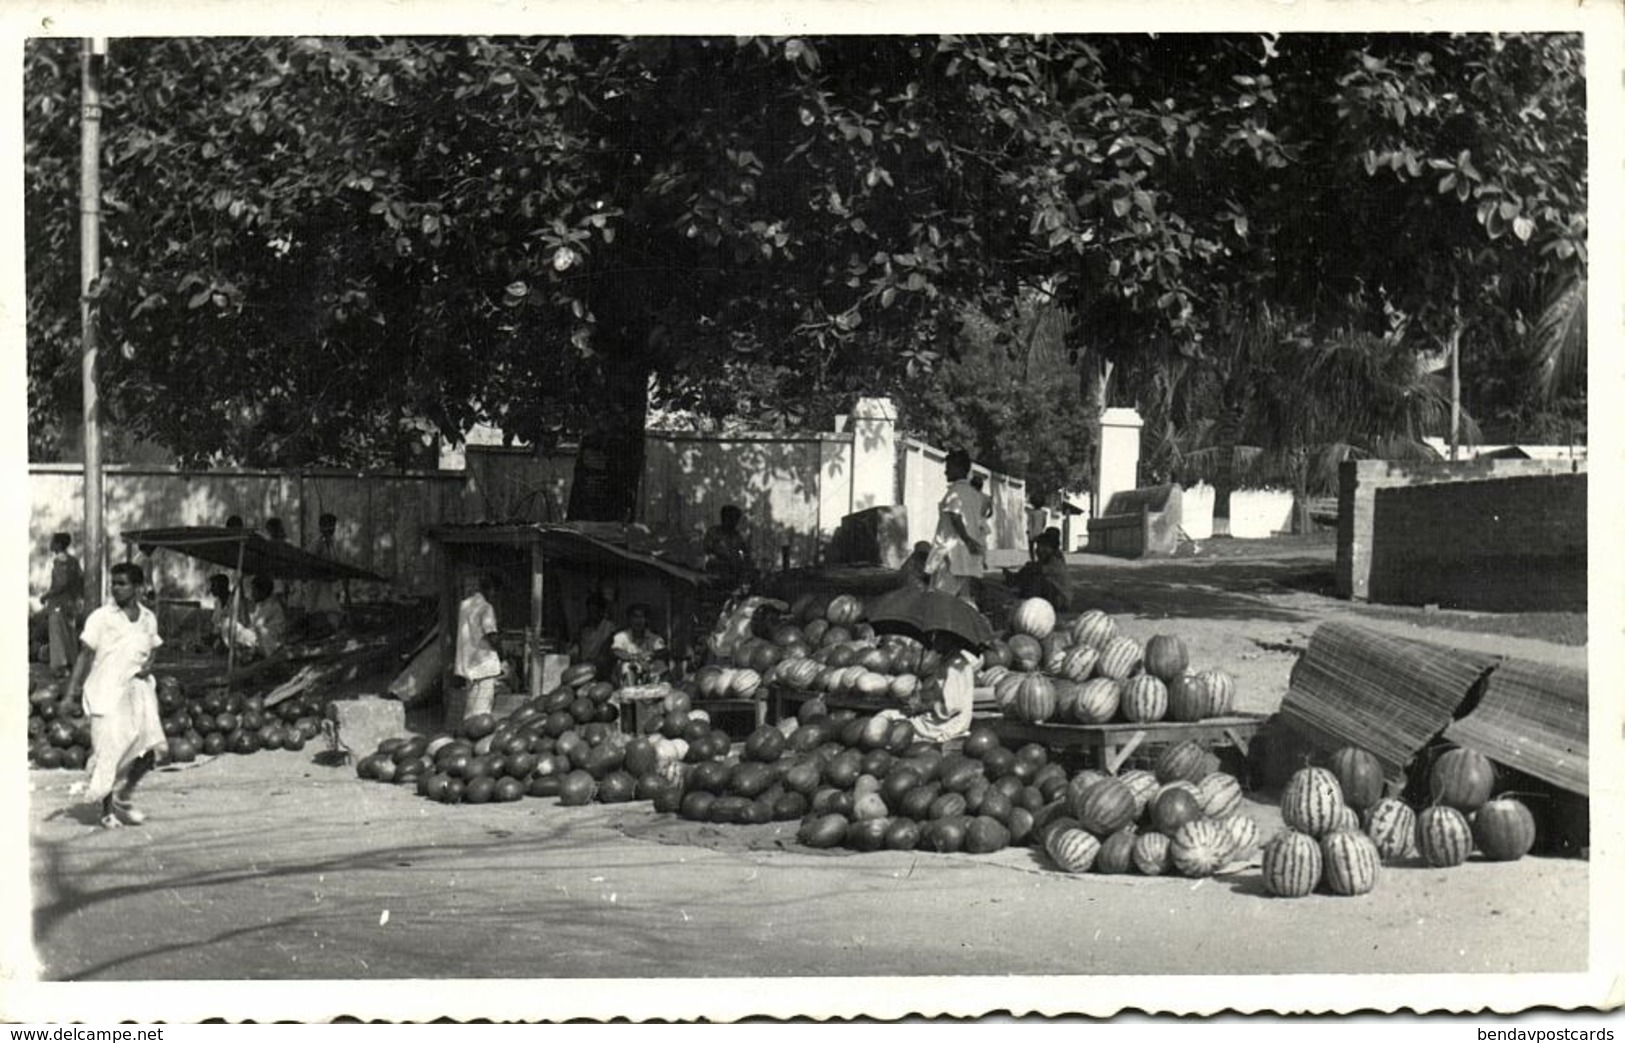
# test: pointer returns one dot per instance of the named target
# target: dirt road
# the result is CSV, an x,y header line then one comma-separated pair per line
x,y
272,868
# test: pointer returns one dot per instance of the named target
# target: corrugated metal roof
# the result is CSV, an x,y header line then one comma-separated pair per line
x,y
1533,717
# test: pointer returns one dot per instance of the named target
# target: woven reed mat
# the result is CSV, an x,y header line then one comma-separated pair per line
x,y
1390,695
1533,717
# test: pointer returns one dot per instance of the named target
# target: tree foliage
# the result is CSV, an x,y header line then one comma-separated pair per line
x,y
1012,402
321,250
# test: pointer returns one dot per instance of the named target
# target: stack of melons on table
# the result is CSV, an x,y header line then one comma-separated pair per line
x,y
1186,817
824,645
1341,829
1086,672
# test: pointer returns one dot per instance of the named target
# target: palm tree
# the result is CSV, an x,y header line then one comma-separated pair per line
x,y
1559,337
1293,409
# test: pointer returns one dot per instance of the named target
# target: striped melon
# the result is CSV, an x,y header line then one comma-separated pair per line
x,y
1504,829
1093,628
1105,807
1345,818
1219,794
1462,779
1144,699
1079,662
1119,659
1199,847
1360,775
1025,652
1143,785
903,687
1183,760
1241,832
1004,692
1291,864
1097,701
1055,650
1035,699
1151,854
1165,656
1391,825
1311,801
872,684
1066,698
1351,862
1198,696
1073,850
1033,616
990,676
1081,783
1117,852
1443,836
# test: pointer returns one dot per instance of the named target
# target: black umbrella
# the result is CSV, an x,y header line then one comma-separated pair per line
x,y
925,612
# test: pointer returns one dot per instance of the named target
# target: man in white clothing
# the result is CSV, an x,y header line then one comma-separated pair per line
x,y
478,663
113,673
957,559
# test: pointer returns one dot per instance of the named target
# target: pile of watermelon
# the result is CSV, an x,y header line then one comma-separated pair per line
x,y
217,721
1085,672
211,723
58,732
565,744
824,644
1185,817
1341,830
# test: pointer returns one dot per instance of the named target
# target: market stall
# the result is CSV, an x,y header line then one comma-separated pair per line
x,y
548,572
247,553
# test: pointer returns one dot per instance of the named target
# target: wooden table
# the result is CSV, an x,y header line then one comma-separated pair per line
x,y
785,701
1113,744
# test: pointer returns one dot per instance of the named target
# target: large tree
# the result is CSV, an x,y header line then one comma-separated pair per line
x,y
318,247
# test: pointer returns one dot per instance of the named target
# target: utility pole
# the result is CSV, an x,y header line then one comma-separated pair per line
x,y
91,53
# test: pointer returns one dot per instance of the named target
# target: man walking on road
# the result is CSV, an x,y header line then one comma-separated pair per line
x,y
114,675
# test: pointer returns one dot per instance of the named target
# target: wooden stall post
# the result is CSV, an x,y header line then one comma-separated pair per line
x,y
236,596
448,619
533,632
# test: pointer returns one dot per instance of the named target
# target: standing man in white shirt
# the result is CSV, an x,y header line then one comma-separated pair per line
x,y
957,557
113,673
478,662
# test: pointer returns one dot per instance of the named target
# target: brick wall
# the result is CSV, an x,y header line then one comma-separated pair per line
x,y
1360,481
1501,544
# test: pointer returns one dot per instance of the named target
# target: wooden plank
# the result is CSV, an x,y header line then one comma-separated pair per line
x,y
1112,744
533,632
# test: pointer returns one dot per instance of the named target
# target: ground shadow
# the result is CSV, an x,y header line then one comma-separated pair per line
x,y
1228,590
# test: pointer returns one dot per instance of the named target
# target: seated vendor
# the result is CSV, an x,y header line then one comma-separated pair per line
x,y
949,715
226,630
727,554
913,567
592,641
639,653
268,618
1045,576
